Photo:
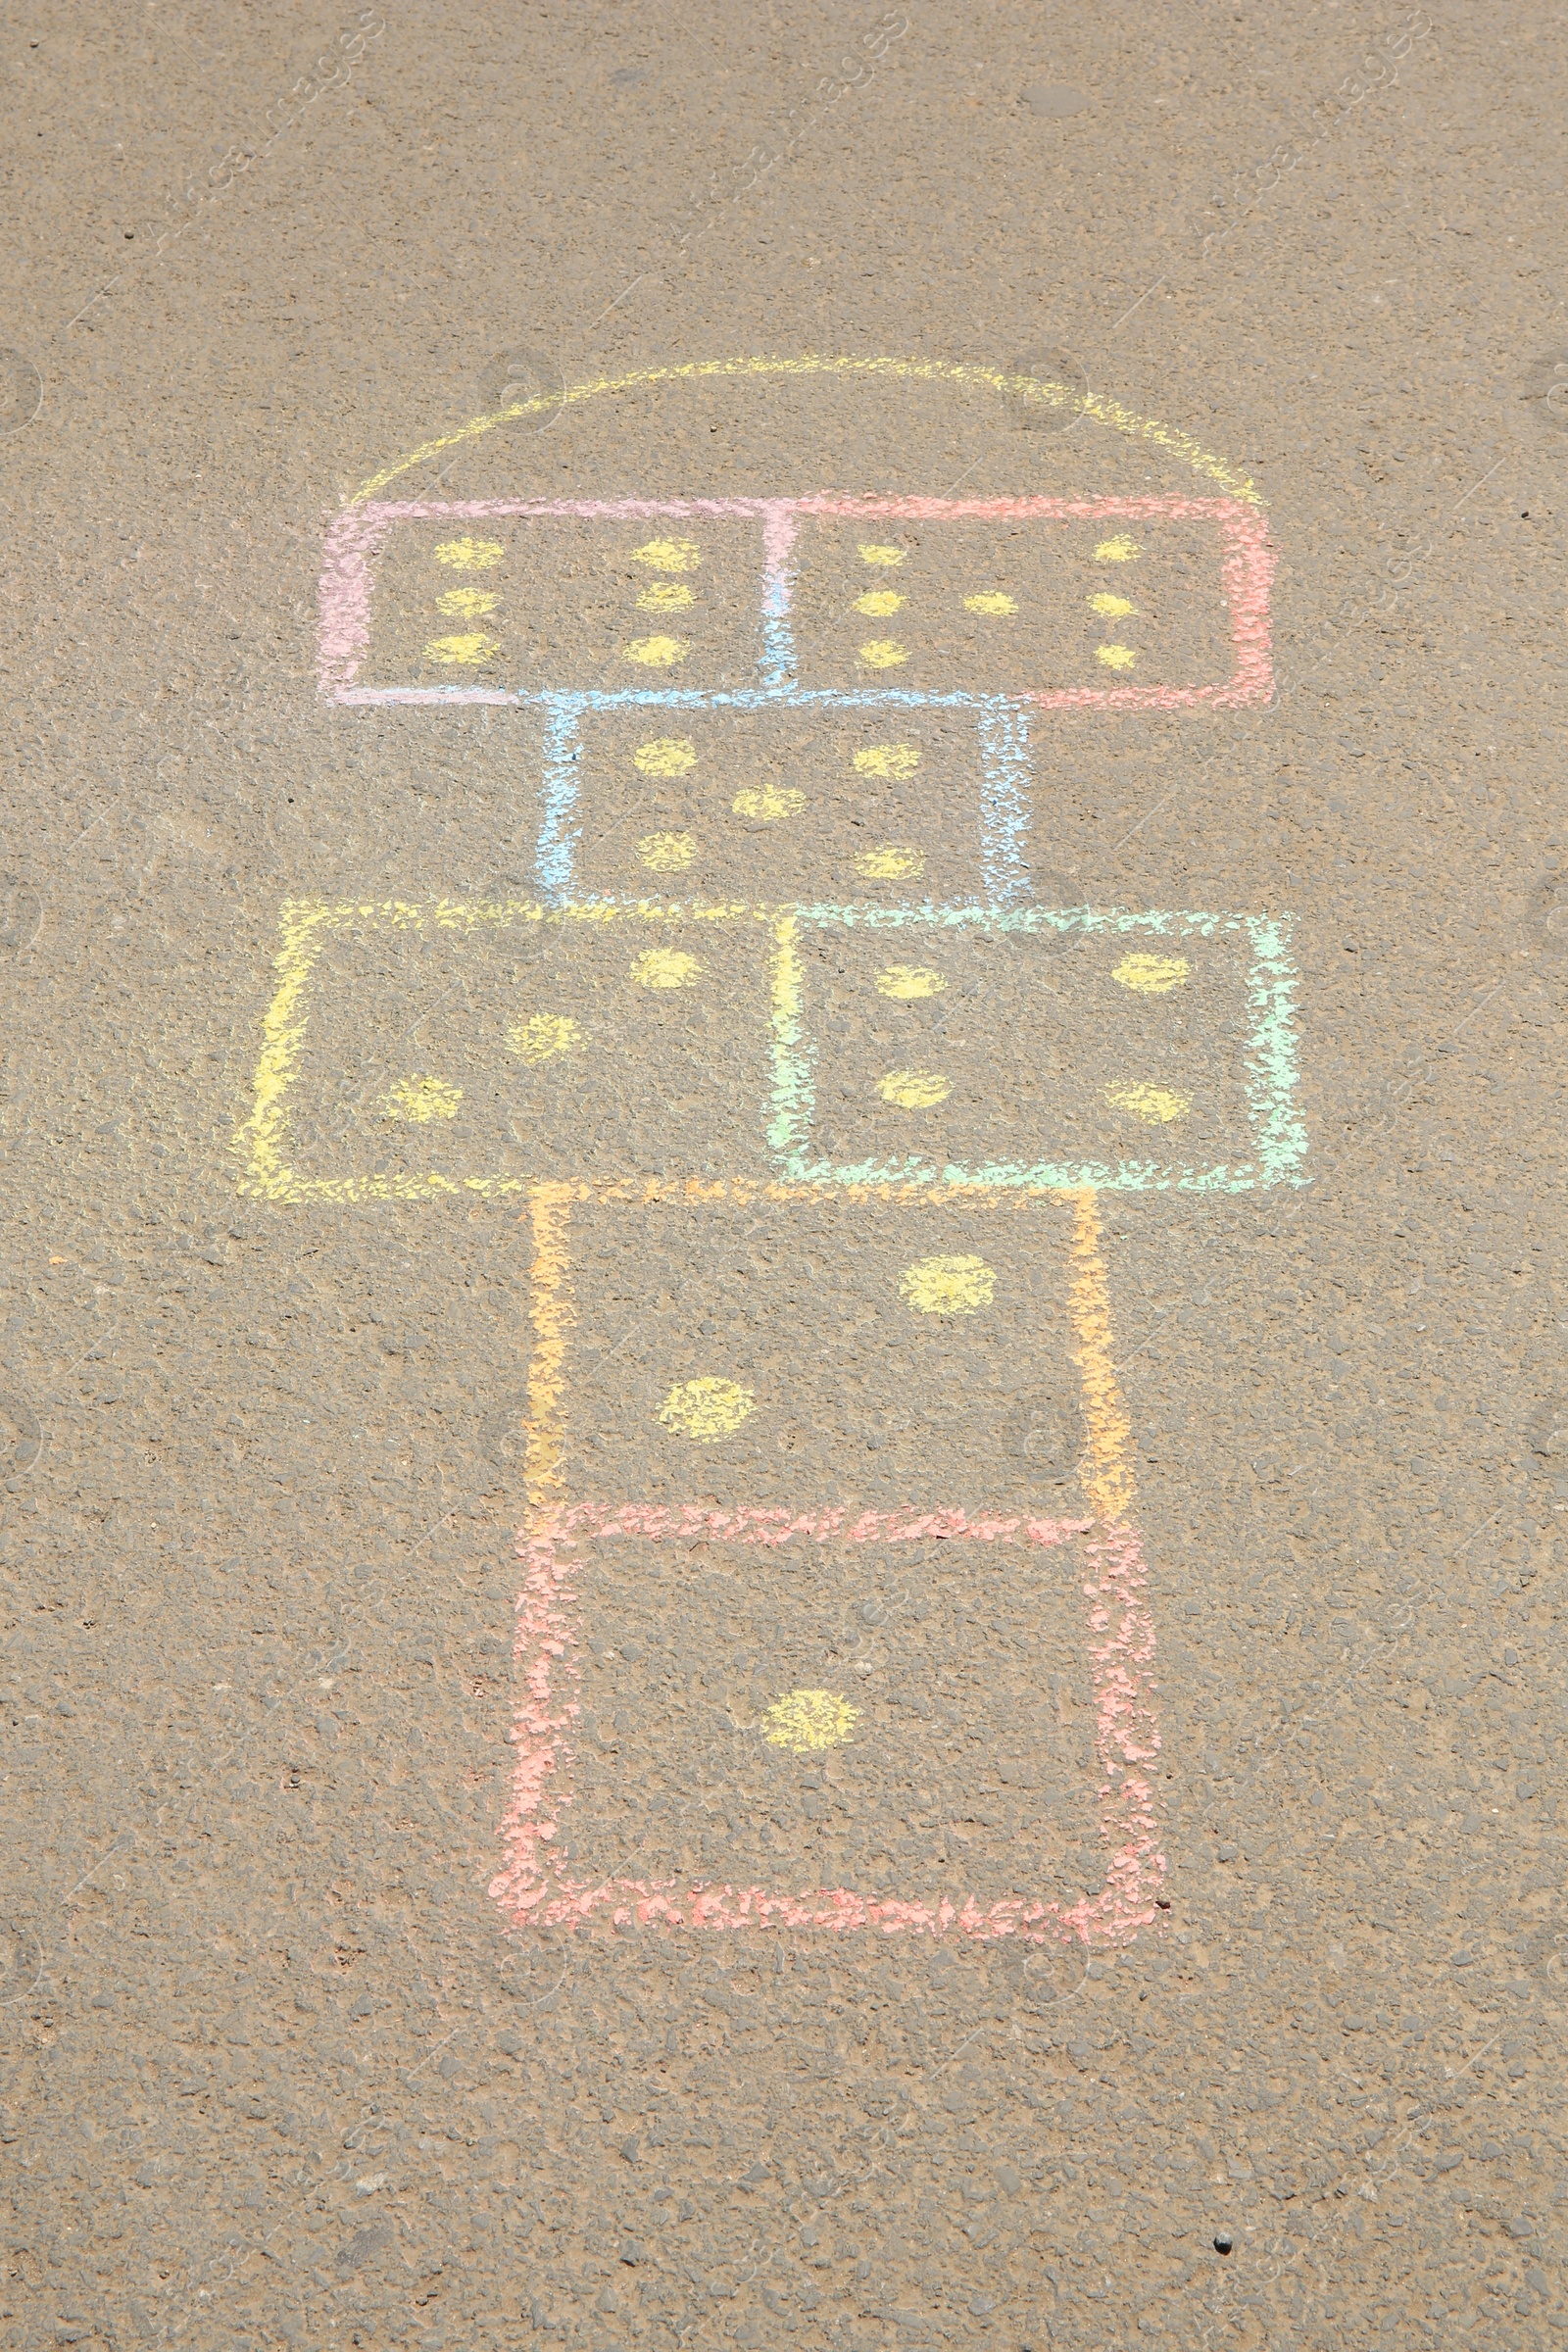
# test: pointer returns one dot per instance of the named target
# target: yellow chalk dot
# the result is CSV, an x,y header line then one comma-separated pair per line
x,y
808,1721
1155,1106
665,967
949,1286
898,759
1116,657
469,555
668,853
669,554
1112,608
657,652
1119,550
881,554
884,653
706,1410
421,1100
1152,976
915,1089
768,805
468,650
908,980
472,603
890,863
668,756
879,602
543,1035
667,596
988,604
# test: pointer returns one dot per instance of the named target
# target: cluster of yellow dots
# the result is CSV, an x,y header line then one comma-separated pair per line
x,y
466,648
670,756
1107,606
665,597
880,604
672,594
544,1035
1144,975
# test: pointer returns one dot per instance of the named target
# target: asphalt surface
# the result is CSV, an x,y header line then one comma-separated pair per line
x,y
783,1344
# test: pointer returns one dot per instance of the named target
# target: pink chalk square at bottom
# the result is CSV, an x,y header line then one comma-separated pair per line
x,y
924,1723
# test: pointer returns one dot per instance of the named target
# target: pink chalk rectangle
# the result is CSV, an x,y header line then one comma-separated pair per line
x,y
1244,559
538,1889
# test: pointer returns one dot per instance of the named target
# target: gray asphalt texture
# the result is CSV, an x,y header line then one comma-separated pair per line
x,y
274,2069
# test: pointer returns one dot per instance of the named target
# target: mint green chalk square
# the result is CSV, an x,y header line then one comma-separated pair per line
x,y
1048,1049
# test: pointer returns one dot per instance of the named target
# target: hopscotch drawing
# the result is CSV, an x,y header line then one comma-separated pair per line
x,y
971,608
835,1612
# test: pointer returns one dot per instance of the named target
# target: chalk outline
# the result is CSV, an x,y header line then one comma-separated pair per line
x,y
1269,1054
1121,1646
1029,390
260,1142
1002,719
1246,568
1108,1426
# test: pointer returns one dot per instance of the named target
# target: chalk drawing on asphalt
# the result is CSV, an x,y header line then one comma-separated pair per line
x,y
744,980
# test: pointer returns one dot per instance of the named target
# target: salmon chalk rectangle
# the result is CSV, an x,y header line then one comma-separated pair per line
x,y
604,1589
947,646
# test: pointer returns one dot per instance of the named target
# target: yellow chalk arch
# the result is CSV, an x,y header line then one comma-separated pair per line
x,y
707,1410
915,1089
1152,976
469,555
665,756
896,760
1021,390
874,554
808,1721
1154,1106
669,554
907,981
665,967
949,1286
543,1035
421,1100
